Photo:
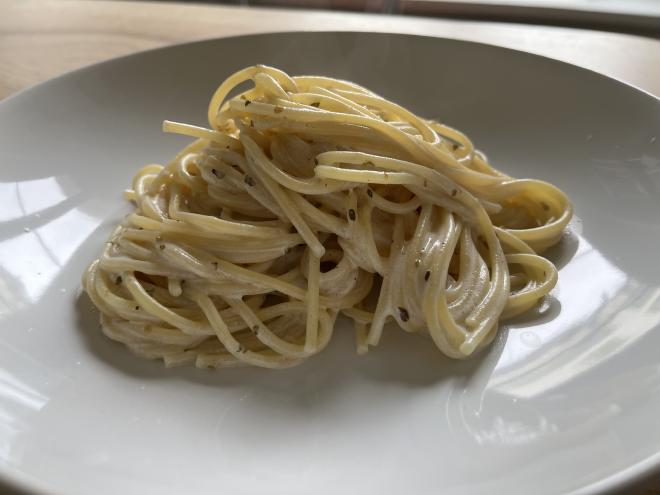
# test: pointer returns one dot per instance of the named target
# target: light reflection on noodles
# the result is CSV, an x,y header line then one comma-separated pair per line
x,y
309,197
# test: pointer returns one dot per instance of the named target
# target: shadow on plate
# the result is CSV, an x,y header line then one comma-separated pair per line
x,y
545,312
408,359
562,253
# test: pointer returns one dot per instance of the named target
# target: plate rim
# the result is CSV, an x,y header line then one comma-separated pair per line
x,y
15,482
89,67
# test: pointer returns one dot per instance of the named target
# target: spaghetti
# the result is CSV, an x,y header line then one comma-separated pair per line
x,y
310,197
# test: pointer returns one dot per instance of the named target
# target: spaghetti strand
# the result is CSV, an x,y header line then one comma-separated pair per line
x,y
310,197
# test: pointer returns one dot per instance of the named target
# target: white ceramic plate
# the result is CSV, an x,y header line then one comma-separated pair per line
x,y
564,401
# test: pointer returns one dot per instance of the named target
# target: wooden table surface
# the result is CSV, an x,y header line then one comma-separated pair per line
x,y
40,39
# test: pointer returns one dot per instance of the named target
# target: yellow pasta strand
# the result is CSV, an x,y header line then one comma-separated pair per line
x,y
309,197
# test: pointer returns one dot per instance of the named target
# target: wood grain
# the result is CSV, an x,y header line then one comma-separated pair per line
x,y
40,39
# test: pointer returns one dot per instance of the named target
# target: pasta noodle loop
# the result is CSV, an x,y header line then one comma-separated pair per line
x,y
308,198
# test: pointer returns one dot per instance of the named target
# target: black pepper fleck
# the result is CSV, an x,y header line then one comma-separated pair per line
x,y
219,175
351,215
427,275
403,314
370,193
316,162
137,308
118,281
249,180
247,102
251,123
453,192
161,247
316,104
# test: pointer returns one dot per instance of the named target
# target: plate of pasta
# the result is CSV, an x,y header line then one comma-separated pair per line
x,y
384,264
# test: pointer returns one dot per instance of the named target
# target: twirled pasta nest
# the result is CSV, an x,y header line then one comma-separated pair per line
x,y
310,197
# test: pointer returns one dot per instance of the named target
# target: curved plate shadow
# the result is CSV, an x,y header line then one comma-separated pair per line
x,y
411,360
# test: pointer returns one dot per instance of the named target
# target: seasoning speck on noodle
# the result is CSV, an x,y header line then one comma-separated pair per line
x,y
310,197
